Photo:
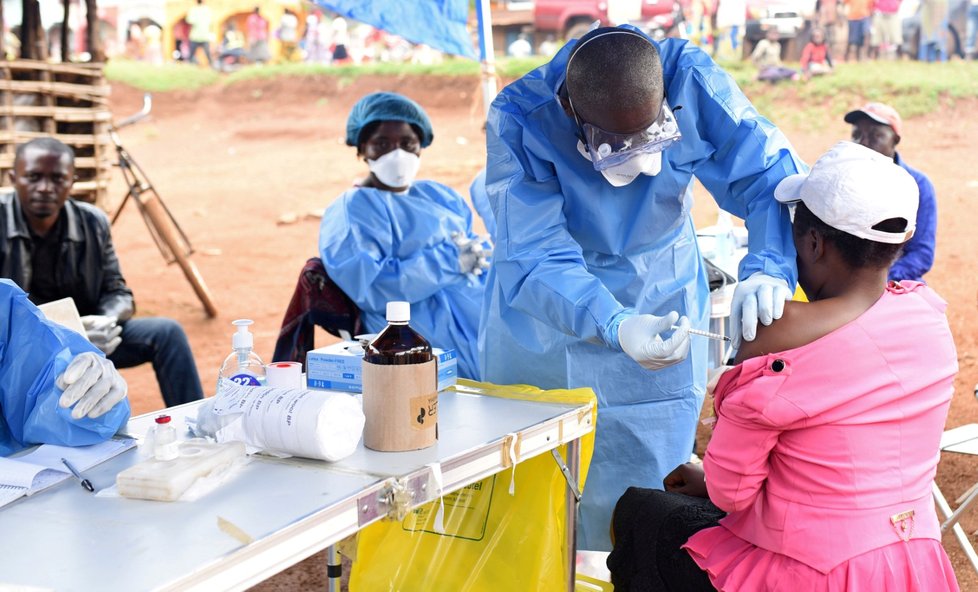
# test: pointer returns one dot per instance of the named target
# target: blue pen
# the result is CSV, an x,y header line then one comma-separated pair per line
x,y
84,482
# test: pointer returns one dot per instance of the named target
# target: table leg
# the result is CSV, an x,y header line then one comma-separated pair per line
x,y
334,568
573,465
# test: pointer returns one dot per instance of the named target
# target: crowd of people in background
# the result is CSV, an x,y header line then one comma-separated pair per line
x,y
838,30
318,37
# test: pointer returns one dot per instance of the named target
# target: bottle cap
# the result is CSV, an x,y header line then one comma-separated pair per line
x,y
163,419
242,339
398,312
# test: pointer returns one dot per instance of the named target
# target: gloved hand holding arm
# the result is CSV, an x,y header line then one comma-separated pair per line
x,y
758,298
92,385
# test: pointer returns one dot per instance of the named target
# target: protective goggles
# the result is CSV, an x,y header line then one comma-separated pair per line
x,y
608,149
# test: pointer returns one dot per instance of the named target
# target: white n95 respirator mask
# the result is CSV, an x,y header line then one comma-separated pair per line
x,y
624,173
397,168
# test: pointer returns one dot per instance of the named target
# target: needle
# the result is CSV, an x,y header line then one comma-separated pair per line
x,y
716,336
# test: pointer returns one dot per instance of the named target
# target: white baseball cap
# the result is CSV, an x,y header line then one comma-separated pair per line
x,y
853,188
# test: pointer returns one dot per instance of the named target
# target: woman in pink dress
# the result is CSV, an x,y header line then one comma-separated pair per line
x,y
818,474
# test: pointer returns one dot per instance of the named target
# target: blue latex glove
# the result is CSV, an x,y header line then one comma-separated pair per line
x,y
757,298
640,337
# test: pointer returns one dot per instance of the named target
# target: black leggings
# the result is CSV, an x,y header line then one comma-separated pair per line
x,y
649,528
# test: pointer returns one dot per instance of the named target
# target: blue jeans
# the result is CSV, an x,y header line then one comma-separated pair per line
x,y
969,46
162,342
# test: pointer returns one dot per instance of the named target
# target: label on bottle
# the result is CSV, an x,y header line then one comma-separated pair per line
x,y
424,410
245,379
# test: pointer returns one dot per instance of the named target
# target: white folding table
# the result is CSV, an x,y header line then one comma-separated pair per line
x,y
66,538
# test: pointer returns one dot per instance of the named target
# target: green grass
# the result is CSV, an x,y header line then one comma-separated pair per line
x,y
160,78
185,77
913,88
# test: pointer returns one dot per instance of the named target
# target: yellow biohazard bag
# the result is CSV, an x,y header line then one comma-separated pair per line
x,y
492,541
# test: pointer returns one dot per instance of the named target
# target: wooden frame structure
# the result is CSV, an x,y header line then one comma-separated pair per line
x,y
65,101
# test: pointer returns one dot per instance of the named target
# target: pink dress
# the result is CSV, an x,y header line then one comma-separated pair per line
x,y
823,456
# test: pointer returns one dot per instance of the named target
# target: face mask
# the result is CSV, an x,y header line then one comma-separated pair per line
x,y
626,172
396,169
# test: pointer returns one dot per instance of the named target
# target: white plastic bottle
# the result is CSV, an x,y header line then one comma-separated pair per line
x,y
165,445
242,366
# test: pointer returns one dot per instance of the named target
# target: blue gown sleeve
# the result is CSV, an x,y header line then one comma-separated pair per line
x,y
740,157
918,253
480,201
363,249
539,265
33,353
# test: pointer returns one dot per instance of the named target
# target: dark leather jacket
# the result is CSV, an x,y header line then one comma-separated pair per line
x,y
89,271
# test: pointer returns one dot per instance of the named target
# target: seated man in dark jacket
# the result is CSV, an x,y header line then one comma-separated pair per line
x,y
54,248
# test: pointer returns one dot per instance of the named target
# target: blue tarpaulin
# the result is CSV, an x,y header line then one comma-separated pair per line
x,y
438,23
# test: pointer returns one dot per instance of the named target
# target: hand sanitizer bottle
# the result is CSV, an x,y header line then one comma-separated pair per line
x,y
242,366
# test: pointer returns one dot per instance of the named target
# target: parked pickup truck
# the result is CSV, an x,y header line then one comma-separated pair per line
x,y
570,19
787,17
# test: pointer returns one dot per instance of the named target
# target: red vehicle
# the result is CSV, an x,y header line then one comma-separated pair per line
x,y
570,19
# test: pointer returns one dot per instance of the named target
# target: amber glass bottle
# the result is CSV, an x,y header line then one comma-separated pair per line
x,y
400,386
398,343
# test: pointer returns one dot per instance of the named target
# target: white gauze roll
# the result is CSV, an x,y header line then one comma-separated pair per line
x,y
311,424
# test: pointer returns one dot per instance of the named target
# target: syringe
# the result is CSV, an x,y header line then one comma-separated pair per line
x,y
706,334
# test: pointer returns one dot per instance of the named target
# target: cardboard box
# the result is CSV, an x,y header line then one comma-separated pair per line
x,y
337,367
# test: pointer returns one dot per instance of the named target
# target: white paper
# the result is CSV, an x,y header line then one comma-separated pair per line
x,y
42,467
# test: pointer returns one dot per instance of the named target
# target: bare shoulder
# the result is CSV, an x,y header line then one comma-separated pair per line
x,y
801,324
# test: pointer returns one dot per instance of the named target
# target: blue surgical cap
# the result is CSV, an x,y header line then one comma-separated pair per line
x,y
385,106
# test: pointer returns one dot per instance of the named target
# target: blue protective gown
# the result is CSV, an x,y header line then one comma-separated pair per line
x,y
574,254
480,201
380,246
33,353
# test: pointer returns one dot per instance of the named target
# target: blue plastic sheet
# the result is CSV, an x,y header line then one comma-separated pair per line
x,y
438,23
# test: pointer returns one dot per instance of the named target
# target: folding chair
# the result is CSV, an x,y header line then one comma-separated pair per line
x,y
962,439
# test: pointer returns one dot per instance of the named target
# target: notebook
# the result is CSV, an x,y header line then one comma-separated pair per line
x,y
42,467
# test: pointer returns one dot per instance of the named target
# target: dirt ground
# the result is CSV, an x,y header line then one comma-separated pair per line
x,y
230,161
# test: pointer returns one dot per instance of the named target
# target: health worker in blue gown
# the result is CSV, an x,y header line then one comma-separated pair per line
x,y
55,387
597,276
395,238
